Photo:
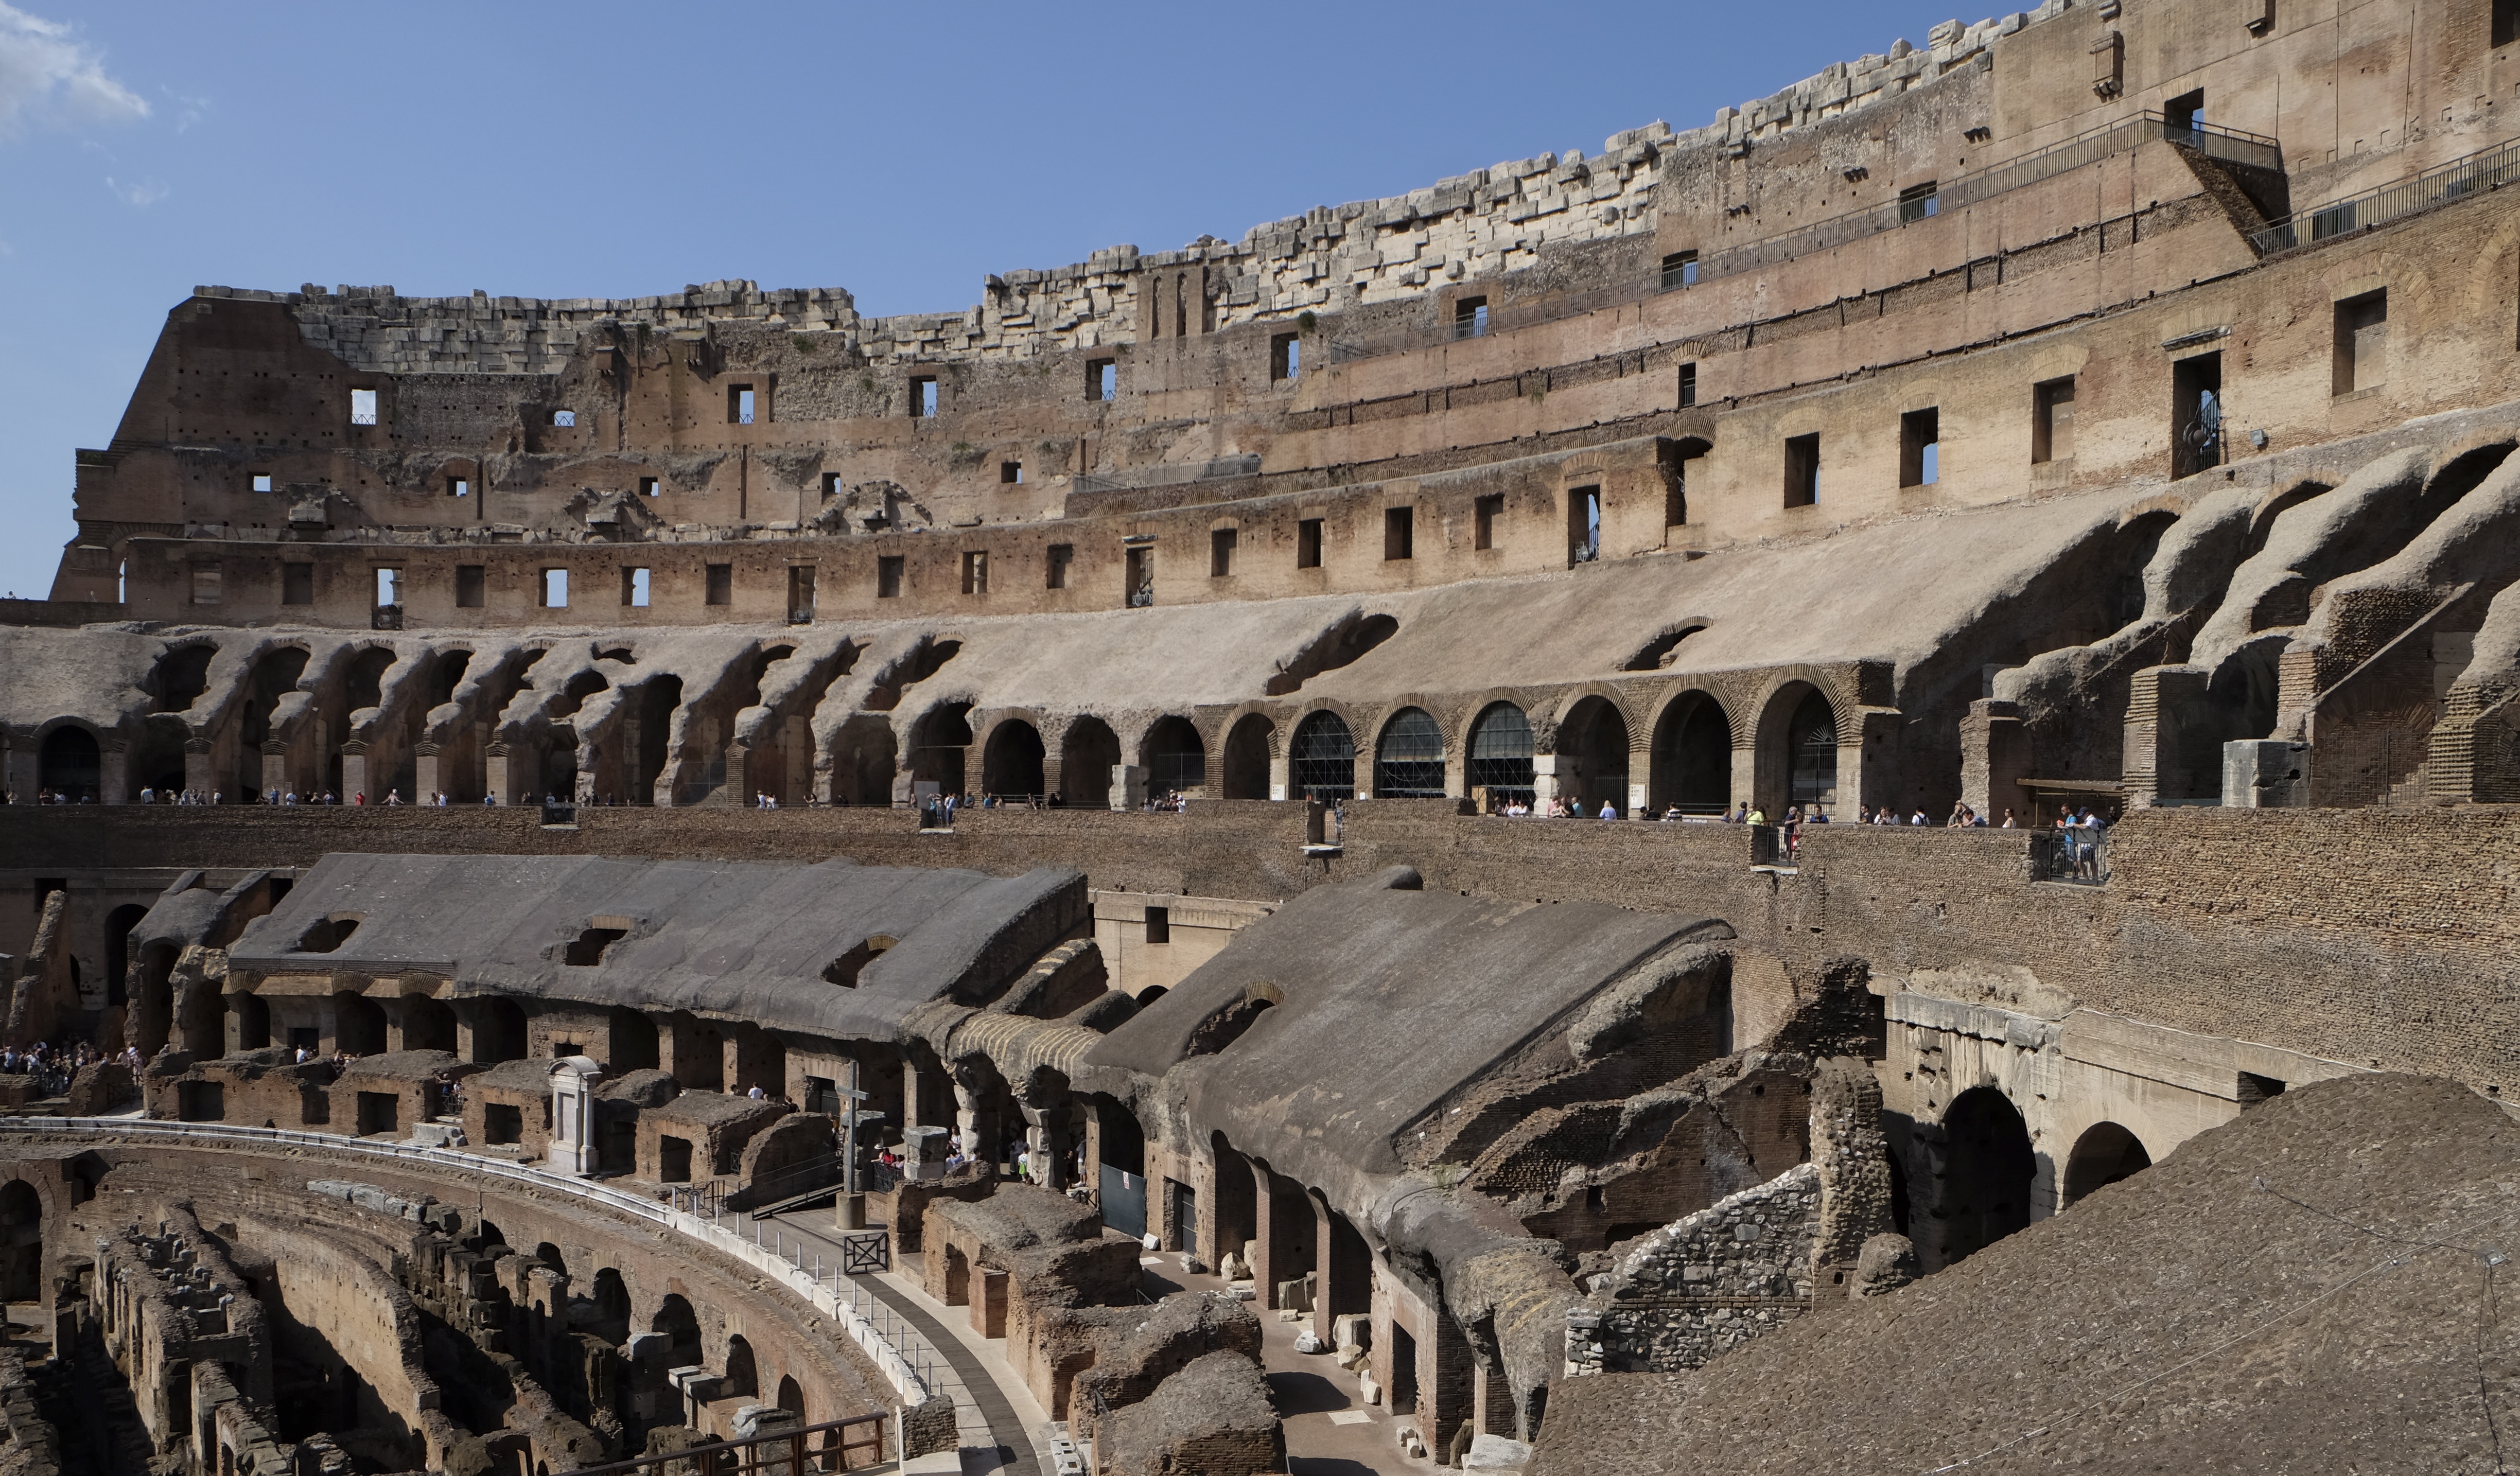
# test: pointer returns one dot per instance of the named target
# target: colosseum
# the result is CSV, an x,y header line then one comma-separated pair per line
x,y
1832,792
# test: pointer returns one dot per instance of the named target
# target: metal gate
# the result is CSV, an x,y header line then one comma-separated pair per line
x,y
1124,1201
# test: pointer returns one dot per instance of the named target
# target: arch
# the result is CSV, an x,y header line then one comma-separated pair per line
x,y
1988,1165
1321,763
1088,751
613,1302
2103,1155
276,673
659,698
1692,765
1500,754
1246,756
1593,737
682,1330
182,674
1174,756
549,1254
358,1025
742,1375
487,1235
634,1040
118,924
1011,763
363,683
865,757
792,1398
498,1031
70,764
1800,742
1408,757
940,744
21,1242
428,1024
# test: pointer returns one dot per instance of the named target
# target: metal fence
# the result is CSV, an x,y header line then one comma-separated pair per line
x,y
2079,854
2490,169
787,1452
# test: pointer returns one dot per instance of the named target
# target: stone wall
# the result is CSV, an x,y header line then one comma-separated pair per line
x,y
1698,1287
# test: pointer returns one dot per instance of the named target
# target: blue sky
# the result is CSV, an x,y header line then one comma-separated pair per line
x,y
900,151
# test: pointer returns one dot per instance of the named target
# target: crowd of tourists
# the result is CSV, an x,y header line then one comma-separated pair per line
x,y
53,1066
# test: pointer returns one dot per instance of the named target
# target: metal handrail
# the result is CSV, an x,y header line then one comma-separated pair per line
x,y
794,1459
2485,169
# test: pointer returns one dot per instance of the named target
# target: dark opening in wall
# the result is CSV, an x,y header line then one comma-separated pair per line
x,y
1159,924
1139,578
587,950
1920,449
844,969
1308,542
923,397
1484,514
738,404
634,588
1399,533
649,486
721,584
471,585
2183,113
1061,555
2256,1090
1679,269
1011,473
1471,318
673,1159
976,572
1102,379
1920,203
297,584
888,576
2506,22
801,594
326,935
458,486
1687,385
1286,356
379,1112
1220,552
503,1123
2195,414
1802,470
2052,420
2361,342
1582,525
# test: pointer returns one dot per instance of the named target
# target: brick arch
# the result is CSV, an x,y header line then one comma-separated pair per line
x,y
1619,695
1771,781
985,741
1677,775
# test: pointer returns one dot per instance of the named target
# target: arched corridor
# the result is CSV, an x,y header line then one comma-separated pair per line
x,y
1408,757
1087,754
2103,1155
1593,754
71,765
1500,757
1174,757
21,1242
1246,757
1987,1169
1692,757
1011,765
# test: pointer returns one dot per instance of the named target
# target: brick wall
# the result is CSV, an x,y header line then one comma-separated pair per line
x,y
1694,1288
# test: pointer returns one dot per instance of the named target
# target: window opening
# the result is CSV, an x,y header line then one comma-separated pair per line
x,y
2184,114
1011,473
801,594
1920,451
1159,924
1399,533
586,950
1286,356
363,407
1408,762
648,486
389,587
976,572
634,588
1813,754
471,584
1501,754
1687,385
1471,318
1102,378
1920,201
721,584
262,481
1140,578
738,404
2362,341
554,589
565,418
1320,762
2052,420
1061,555
458,486
1220,552
2506,22
1679,269
1484,514
1582,525
888,576
2196,415
297,584
1308,542
1802,470
923,397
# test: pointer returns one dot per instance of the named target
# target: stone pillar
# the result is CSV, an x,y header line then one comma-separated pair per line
x,y
739,784
1640,783
21,756
1284,1247
355,772
1342,1267
572,1140
2265,773
200,770
1550,777
2159,763
113,771
425,781
923,1152
1128,787
275,767
1995,757
1280,777
974,1111
496,783
1045,1142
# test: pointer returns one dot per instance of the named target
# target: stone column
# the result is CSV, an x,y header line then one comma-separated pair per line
x,y
1128,787
201,770
496,783
1046,1140
425,781
113,779
21,756
1343,1269
1640,782
1280,777
1995,757
974,1112
1550,777
355,772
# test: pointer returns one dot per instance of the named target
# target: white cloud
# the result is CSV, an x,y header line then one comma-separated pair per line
x,y
141,192
47,74
188,110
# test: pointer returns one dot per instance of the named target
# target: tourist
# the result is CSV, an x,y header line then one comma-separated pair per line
x,y
1610,811
2009,822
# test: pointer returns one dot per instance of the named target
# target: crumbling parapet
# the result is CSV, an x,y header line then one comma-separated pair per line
x,y
1694,1290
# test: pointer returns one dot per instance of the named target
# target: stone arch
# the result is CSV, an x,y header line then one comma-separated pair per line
x,y
1807,748
1986,1174
1249,745
1011,760
681,1327
866,755
70,761
1320,756
21,1242
1174,756
1409,756
1590,752
1088,751
1690,767
940,741
2103,1155
1496,754
743,1370
791,1397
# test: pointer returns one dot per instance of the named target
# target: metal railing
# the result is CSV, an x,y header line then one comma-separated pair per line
x,y
785,1453
2076,854
2488,169
2231,145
